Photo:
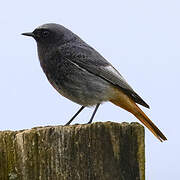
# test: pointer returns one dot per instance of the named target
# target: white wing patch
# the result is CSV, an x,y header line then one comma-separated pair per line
x,y
113,71
116,77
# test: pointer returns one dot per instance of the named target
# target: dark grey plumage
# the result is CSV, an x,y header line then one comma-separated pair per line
x,y
77,70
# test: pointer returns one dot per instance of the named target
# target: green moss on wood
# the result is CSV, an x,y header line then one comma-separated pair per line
x,y
99,151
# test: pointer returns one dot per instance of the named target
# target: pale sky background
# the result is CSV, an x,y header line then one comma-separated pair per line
x,y
140,38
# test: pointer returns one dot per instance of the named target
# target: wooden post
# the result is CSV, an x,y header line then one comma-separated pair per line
x,y
98,151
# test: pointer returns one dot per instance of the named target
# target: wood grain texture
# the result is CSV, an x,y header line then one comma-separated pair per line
x,y
98,151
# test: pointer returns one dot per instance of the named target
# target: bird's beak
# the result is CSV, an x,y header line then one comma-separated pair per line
x,y
28,34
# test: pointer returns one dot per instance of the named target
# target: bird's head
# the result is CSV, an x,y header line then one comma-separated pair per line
x,y
51,34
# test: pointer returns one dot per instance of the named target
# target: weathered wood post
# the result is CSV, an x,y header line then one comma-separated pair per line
x,y
98,151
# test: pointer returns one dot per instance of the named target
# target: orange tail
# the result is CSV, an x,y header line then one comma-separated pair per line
x,y
123,101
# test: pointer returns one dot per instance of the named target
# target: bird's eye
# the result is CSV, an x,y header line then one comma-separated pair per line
x,y
45,34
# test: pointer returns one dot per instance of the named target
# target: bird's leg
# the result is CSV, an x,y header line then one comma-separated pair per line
x,y
75,116
95,110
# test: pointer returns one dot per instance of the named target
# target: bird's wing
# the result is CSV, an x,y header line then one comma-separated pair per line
x,y
88,58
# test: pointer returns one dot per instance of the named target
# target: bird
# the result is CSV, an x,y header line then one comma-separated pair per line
x,y
81,74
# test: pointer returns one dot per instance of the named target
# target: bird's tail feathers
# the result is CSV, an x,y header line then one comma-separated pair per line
x,y
123,101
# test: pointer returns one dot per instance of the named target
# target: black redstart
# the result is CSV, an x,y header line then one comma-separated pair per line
x,y
81,74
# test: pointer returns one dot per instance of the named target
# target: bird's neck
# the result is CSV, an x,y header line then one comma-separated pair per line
x,y
44,52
